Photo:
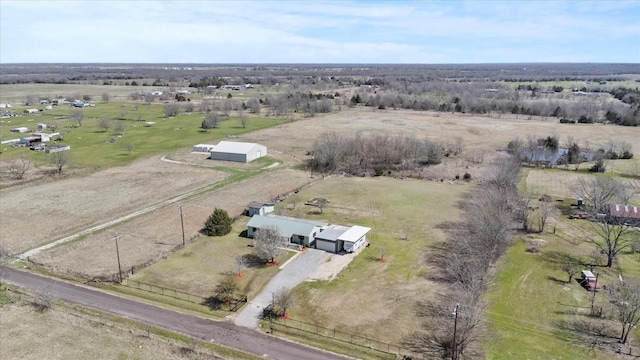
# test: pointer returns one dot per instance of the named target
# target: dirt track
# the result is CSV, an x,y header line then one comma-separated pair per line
x,y
39,214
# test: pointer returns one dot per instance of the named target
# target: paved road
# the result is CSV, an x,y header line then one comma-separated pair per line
x,y
220,332
291,275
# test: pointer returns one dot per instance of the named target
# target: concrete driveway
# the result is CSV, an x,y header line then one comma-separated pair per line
x,y
291,274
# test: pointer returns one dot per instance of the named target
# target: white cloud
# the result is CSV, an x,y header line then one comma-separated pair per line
x,y
313,31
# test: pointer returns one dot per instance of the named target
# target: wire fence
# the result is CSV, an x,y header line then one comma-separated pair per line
x,y
232,305
345,337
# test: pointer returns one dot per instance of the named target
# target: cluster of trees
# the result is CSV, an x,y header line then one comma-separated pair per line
x,y
548,151
358,155
472,245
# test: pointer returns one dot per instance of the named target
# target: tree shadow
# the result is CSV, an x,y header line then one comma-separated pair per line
x,y
213,303
253,261
556,280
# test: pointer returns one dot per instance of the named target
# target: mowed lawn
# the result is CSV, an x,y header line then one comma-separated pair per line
x,y
201,265
95,146
372,298
532,304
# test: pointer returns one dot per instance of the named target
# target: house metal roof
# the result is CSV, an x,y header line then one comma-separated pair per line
x,y
625,211
234,147
332,233
288,226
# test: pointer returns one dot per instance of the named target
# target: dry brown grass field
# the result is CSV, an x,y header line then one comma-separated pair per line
x,y
60,334
46,211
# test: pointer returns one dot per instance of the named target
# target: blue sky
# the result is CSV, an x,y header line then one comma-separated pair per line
x,y
431,32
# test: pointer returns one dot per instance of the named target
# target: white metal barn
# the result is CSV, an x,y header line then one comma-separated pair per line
x,y
238,151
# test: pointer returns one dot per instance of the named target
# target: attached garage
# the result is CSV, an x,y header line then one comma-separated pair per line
x,y
337,238
238,151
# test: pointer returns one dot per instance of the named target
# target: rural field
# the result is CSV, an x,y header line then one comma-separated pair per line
x,y
373,298
67,332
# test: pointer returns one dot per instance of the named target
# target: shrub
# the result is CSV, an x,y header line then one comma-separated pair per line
x,y
466,176
218,224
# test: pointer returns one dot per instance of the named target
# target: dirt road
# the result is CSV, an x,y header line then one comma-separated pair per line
x,y
223,333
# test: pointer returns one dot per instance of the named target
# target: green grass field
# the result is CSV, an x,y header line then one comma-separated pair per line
x,y
93,146
199,267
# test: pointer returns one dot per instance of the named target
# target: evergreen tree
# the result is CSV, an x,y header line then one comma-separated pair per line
x,y
218,224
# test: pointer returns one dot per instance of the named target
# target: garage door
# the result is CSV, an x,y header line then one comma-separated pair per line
x,y
326,245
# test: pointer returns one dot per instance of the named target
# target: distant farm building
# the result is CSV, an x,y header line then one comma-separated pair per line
x,y
203,148
626,213
238,151
57,148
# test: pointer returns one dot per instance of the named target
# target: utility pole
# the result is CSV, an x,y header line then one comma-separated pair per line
x,y
454,347
118,255
182,223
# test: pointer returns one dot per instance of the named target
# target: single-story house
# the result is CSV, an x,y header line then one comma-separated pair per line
x,y
203,148
296,231
238,151
57,148
337,238
20,130
260,208
31,111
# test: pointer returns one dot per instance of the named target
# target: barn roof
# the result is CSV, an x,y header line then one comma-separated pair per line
x,y
625,211
234,147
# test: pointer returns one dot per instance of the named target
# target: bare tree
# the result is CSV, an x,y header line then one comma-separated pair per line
x,y
243,117
77,116
128,147
19,167
543,213
253,105
600,191
171,110
211,121
571,267
148,98
104,123
626,300
268,243
382,250
294,200
60,159
121,126
612,236
283,300
241,263
188,107
106,97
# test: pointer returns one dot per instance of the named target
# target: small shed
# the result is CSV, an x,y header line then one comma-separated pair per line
x,y
203,148
42,126
260,208
238,151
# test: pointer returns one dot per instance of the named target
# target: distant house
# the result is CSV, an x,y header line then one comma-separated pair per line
x,y
337,238
260,208
31,111
237,151
203,148
295,231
